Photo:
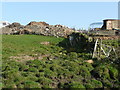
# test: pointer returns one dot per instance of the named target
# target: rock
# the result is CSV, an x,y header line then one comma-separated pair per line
x,y
38,28
26,31
38,23
6,30
4,23
15,24
45,43
89,61
41,28
13,28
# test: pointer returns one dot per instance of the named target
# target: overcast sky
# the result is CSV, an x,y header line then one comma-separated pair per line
x,y
71,14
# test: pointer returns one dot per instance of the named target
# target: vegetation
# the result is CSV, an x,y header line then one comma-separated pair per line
x,y
26,63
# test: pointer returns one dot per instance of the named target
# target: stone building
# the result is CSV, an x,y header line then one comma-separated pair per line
x,y
111,24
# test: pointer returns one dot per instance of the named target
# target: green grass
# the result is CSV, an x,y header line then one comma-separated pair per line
x,y
26,44
51,66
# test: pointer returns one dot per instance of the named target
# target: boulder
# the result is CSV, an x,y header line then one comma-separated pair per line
x,y
15,24
89,61
45,43
6,30
13,28
42,28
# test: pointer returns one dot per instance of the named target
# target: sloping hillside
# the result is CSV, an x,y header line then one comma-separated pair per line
x,y
35,61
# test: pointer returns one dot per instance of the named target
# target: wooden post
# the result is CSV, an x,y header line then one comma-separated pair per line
x,y
94,52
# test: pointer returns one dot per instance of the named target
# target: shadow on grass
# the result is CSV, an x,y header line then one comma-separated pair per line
x,y
77,42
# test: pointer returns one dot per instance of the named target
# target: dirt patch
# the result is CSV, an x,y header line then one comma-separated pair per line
x,y
24,58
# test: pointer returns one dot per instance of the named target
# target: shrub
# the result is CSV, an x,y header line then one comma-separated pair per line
x,y
88,66
46,86
48,73
37,63
76,85
73,55
24,74
44,81
60,85
31,84
18,79
23,67
62,66
107,83
113,72
9,84
101,71
89,85
20,86
96,83
32,78
84,72
33,69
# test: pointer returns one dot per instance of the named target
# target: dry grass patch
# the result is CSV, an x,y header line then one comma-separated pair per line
x,y
24,58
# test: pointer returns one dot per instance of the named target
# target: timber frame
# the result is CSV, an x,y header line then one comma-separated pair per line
x,y
100,51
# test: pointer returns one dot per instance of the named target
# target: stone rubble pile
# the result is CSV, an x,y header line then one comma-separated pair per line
x,y
13,28
38,28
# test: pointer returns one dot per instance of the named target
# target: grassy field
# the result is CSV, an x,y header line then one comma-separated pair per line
x,y
28,63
